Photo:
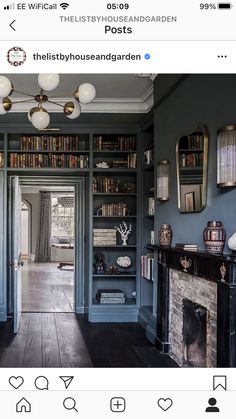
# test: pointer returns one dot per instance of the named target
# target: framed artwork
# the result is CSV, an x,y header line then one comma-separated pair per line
x,y
189,202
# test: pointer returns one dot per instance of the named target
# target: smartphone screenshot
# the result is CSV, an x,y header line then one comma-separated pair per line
x,y
117,209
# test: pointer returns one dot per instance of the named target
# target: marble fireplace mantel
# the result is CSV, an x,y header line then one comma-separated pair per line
x,y
219,269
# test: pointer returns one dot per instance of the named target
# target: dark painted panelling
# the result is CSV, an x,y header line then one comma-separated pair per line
x,y
200,99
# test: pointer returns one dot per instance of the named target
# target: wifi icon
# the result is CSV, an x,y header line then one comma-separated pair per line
x,y
64,5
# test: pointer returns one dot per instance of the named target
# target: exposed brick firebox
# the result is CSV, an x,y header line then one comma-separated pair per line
x,y
203,294
196,307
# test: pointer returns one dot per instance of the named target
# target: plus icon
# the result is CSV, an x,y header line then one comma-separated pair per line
x,y
117,404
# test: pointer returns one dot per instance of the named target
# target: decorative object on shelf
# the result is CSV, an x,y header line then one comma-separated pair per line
x,y
112,270
38,115
165,235
232,243
192,166
133,294
102,165
124,231
100,266
226,162
185,263
128,188
214,237
151,206
148,157
152,238
124,261
113,210
223,272
163,180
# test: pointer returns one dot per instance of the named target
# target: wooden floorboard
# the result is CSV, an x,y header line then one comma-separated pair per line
x,y
33,348
73,351
50,349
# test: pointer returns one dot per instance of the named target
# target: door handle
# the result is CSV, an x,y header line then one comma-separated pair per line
x,y
14,264
21,263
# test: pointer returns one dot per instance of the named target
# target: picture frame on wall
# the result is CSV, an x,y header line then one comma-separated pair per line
x,y
189,202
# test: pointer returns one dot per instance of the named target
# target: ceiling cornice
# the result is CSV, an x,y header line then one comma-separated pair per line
x,y
101,105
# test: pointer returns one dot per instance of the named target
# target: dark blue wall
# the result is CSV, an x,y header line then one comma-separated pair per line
x,y
200,99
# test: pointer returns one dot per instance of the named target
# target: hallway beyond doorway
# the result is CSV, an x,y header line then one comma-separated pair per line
x,y
47,288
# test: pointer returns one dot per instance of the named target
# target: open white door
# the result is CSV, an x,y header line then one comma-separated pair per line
x,y
16,262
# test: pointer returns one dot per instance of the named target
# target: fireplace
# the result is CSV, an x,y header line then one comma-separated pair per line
x,y
196,307
192,320
194,334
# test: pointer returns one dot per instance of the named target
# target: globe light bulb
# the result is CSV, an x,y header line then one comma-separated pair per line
x,y
48,82
40,119
5,86
86,93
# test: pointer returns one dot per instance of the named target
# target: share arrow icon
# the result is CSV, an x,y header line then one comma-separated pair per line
x,y
67,380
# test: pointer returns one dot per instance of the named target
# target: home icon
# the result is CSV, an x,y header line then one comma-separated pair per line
x,y
23,406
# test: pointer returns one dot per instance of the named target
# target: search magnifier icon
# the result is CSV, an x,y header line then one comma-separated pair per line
x,y
70,404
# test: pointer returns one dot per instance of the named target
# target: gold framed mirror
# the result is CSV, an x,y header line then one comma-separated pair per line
x,y
192,168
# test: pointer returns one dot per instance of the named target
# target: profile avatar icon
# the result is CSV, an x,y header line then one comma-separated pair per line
x,y
212,408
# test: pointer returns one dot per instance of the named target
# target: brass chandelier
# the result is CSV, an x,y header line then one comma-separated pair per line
x,y
38,114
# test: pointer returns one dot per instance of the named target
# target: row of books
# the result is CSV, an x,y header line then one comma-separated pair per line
x,y
119,210
130,163
110,296
151,206
147,267
105,185
104,237
50,160
1,159
191,160
119,144
195,141
50,143
148,157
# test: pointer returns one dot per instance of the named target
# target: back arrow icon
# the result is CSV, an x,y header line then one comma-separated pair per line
x,y
12,24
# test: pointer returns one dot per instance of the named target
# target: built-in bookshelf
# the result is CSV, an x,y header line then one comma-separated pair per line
x,y
48,152
147,260
114,197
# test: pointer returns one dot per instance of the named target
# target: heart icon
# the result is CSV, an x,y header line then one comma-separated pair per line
x,y
16,382
165,404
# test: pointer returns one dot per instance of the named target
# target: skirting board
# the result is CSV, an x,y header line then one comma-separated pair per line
x,y
112,315
149,324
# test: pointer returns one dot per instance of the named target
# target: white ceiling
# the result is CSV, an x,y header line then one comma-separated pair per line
x,y
115,92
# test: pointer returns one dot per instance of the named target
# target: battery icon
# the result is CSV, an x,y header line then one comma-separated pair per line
x,y
224,5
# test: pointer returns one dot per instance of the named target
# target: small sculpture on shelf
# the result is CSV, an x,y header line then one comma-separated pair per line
x,y
112,270
124,231
100,266
102,165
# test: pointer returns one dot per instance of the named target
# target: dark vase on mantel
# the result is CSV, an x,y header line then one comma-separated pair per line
x,y
214,237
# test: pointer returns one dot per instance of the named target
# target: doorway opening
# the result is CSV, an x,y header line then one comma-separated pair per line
x,y
48,248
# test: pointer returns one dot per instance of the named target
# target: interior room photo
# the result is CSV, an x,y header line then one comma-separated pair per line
x,y
117,220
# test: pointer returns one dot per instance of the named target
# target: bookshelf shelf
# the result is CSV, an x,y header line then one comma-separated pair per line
x,y
114,194
117,246
115,170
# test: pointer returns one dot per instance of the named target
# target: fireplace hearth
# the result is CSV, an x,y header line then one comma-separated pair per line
x,y
196,310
